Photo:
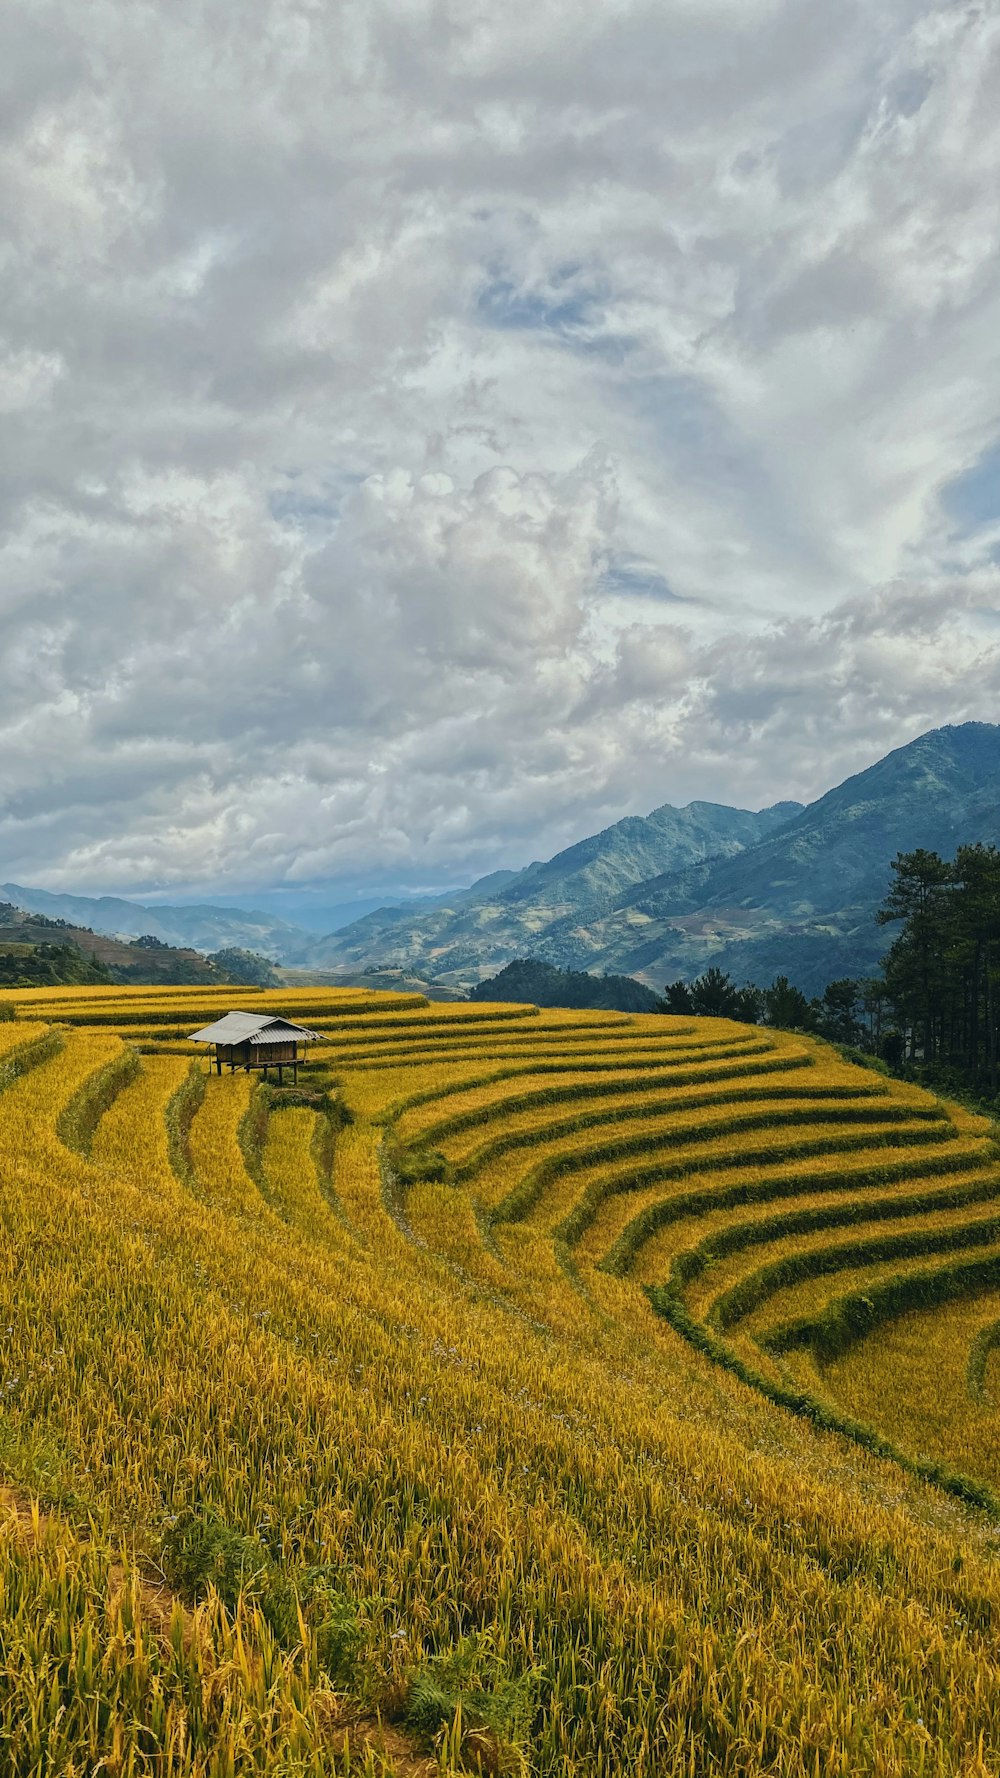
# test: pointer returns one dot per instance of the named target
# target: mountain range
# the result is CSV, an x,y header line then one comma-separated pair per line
x,y
201,928
788,890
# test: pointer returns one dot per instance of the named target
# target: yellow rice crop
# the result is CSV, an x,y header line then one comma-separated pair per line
x,y
566,1541
939,1411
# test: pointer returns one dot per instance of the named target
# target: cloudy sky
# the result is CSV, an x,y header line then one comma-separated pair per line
x,y
431,430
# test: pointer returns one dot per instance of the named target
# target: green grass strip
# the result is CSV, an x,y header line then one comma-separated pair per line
x,y
77,1122
30,1054
663,1078
619,1259
558,1061
251,1137
653,1112
671,1309
521,1200
695,1261
985,1342
795,1268
849,1318
323,1150
127,1012
525,1047
178,1116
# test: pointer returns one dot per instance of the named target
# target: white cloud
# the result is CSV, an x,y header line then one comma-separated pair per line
x,y
430,432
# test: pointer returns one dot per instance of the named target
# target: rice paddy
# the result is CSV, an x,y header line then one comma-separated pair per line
x,y
530,1392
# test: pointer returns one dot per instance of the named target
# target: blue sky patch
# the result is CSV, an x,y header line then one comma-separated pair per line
x,y
973,498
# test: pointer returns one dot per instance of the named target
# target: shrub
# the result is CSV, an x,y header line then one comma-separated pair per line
x,y
200,1550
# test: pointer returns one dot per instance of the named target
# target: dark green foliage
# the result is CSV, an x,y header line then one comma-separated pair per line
x,y
937,1011
677,999
200,1550
786,1007
716,995
419,1165
248,967
836,1013
8,1011
541,984
161,965
495,1708
12,915
713,996
48,966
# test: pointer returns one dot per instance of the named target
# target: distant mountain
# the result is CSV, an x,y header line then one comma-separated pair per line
x,y
463,937
802,901
38,949
787,891
597,869
316,911
203,928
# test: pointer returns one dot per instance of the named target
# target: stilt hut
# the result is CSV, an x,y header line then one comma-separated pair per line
x,y
255,1040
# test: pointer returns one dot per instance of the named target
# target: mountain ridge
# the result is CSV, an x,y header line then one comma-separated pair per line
x,y
799,898
477,930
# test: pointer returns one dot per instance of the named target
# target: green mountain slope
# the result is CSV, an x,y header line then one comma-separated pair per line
x,y
467,936
803,899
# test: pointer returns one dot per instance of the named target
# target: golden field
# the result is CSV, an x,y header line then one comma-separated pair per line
x,y
534,1393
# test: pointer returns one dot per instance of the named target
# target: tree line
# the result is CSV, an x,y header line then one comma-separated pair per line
x,y
935,1006
840,1013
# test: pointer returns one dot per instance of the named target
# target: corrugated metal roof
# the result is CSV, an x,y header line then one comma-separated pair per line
x,y
254,1027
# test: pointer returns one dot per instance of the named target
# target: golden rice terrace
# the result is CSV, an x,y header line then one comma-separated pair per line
x,y
534,1393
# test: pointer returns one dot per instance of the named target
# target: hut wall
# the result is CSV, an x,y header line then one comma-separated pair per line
x,y
256,1055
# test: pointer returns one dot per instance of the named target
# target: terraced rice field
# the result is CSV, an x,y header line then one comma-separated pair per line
x,y
556,1393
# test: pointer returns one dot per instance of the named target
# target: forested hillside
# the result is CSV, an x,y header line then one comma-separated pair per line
x,y
35,949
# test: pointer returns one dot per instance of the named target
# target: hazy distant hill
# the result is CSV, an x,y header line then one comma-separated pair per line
x,y
28,942
201,928
502,916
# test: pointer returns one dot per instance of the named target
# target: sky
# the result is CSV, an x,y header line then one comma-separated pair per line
x,y
432,430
